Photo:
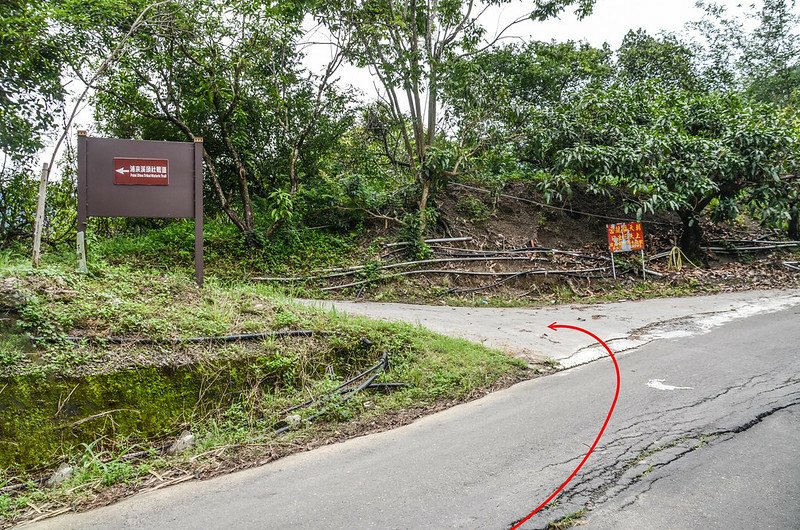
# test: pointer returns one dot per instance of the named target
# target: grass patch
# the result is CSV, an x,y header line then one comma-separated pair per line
x,y
90,404
227,255
569,521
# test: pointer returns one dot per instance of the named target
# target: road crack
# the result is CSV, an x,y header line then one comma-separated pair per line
x,y
622,472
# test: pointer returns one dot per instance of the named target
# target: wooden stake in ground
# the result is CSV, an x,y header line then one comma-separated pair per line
x,y
38,222
81,248
644,270
613,266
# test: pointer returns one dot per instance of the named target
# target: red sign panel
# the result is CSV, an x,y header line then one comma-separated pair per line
x,y
625,237
141,172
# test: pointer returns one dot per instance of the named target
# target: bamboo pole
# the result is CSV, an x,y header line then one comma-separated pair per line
x,y
38,221
397,265
445,240
536,272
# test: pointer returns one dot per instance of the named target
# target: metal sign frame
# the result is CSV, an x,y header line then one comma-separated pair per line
x,y
100,196
627,242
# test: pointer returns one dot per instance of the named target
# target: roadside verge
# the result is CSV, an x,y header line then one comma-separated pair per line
x,y
624,324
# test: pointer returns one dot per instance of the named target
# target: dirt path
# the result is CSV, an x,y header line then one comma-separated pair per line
x,y
625,325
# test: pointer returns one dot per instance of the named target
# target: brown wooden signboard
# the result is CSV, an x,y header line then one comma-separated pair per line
x,y
140,178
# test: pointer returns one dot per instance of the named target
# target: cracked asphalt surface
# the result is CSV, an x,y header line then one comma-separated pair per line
x,y
690,491
625,324
723,454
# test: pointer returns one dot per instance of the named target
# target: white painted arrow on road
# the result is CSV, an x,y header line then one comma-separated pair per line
x,y
658,384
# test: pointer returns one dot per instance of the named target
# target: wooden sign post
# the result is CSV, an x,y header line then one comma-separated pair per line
x,y
626,237
138,178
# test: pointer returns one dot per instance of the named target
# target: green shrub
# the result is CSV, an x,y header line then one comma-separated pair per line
x,y
473,209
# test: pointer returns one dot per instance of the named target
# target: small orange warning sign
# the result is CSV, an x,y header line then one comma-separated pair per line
x,y
625,237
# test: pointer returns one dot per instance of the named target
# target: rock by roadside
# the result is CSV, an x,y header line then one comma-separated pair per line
x,y
13,295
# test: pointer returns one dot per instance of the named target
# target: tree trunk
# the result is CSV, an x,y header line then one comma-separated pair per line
x,y
691,236
423,205
429,139
794,224
223,199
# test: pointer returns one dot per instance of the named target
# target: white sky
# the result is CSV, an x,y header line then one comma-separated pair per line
x,y
612,19
609,23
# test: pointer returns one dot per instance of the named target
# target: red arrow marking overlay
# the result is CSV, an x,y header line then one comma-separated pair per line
x,y
555,327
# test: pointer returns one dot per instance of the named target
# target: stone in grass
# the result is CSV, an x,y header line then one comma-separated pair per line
x,y
12,295
61,475
293,419
183,443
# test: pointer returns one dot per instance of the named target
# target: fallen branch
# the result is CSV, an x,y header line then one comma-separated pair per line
x,y
444,240
49,515
467,273
794,265
24,485
752,242
171,482
757,246
152,451
528,250
355,270
659,256
653,273
374,215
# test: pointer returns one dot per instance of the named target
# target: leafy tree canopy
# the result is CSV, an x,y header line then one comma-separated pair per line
x,y
229,72
670,150
664,59
758,51
30,75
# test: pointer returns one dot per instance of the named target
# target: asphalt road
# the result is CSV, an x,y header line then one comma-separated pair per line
x,y
723,452
523,331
